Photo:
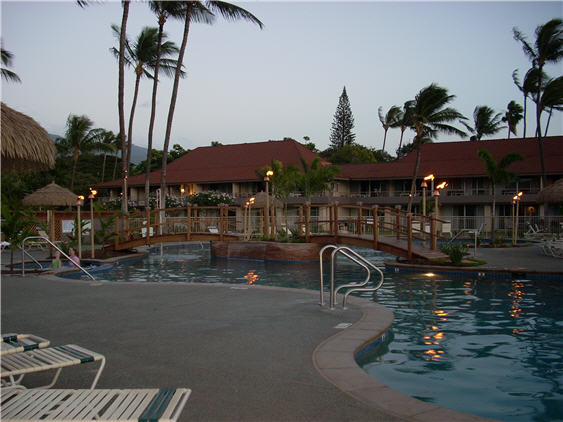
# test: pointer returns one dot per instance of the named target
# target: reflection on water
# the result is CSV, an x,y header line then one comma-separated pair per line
x,y
488,347
483,346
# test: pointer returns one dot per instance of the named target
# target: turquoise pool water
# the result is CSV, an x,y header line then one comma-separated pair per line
x,y
485,346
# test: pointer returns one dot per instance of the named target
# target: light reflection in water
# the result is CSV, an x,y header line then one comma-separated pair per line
x,y
251,277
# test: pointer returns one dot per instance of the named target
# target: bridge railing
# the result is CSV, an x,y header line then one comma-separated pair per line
x,y
334,220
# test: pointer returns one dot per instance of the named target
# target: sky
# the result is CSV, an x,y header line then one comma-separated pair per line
x,y
244,84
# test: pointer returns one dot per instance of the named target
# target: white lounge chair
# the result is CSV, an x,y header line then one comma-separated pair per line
x,y
213,229
147,405
16,343
19,364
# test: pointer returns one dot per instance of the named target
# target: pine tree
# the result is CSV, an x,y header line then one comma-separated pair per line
x,y
343,123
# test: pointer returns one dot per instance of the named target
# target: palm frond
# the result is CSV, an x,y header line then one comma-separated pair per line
x,y
232,12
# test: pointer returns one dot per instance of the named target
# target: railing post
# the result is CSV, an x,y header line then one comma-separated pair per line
x,y
148,225
188,222
398,223
360,231
221,221
336,225
300,220
375,213
433,234
307,228
409,235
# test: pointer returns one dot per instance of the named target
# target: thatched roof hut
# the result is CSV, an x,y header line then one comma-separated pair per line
x,y
25,144
50,195
552,194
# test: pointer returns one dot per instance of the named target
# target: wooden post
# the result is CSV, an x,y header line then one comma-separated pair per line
x,y
221,221
433,236
336,225
148,225
375,227
360,228
307,231
409,236
300,220
398,223
188,222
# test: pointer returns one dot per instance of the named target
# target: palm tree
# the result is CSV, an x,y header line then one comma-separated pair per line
x,y
141,55
163,10
315,177
405,120
391,119
196,12
108,138
484,121
547,48
120,95
120,102
512,116
7,74
80,137
498,175
552,98
283,182
430,116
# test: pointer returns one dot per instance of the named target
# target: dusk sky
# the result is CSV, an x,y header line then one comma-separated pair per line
x,y
248,85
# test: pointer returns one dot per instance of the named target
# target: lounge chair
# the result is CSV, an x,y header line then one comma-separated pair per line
x,y
147,405
16,343
19,364
213,229
4,244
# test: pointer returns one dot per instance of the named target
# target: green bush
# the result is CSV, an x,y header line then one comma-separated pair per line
x,y
456,252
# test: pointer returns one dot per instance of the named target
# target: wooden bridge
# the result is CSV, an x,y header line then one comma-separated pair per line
x,y
397,232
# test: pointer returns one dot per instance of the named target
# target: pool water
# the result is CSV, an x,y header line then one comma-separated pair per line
x,y
485,346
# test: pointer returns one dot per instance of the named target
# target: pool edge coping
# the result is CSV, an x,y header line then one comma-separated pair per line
x,y
334,359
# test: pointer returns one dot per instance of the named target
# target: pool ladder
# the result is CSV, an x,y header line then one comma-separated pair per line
x,y
354,257
43,238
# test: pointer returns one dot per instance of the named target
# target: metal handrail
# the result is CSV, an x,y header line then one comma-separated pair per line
x,y
354,257
54,246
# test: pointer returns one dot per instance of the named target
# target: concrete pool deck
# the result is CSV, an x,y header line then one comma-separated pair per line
x,y
249,353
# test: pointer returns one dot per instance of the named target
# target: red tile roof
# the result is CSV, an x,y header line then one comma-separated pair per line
x,y
459,159
238,163
225,163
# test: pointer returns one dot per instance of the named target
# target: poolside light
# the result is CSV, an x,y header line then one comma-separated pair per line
x,y
91,198
269,174
515,203
436,195
79,203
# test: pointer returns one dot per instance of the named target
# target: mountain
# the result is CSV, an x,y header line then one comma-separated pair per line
x,y
138,153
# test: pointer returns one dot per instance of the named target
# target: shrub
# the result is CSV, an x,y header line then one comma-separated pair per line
x,y
456,252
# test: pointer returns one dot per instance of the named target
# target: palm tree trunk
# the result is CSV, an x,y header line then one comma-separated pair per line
x,y
120,105
525,104
538,123
131,117
384,139
74,161
114,166
401,140
548,120
173,101
493,212
104,166
153,114
414,176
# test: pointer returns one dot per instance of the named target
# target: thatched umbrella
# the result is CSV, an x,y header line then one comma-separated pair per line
x,y
25,144
51,195
552,194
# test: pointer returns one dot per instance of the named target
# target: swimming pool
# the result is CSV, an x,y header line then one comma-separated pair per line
x,y
485,346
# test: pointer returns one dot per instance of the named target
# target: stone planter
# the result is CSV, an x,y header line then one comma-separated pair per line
x,y
266,251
